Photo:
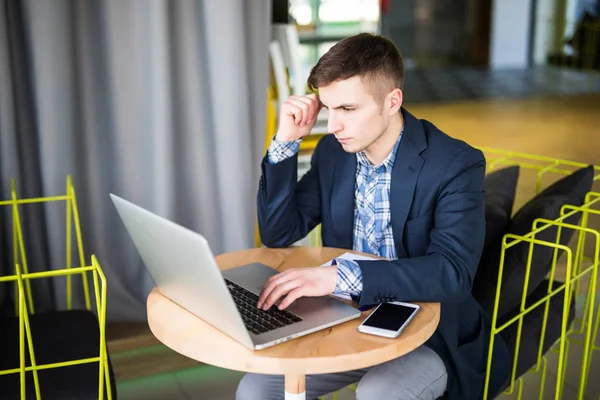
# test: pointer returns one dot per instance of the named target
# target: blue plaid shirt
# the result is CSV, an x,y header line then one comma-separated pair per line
x,y
372,216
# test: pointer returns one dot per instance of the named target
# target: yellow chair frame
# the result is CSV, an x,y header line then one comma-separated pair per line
x,y
578,267
24,300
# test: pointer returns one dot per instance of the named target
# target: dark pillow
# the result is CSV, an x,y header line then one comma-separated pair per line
x,y
500,189
547,204
57,336
531,333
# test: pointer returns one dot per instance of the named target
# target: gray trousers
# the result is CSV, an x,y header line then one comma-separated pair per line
x,y
420,374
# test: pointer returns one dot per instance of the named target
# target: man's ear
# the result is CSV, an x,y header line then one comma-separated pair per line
x,y
394,101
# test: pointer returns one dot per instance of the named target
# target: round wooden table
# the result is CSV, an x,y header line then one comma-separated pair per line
x,y
337,349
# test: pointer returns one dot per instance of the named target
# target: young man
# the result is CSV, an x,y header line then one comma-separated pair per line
x,y
386,183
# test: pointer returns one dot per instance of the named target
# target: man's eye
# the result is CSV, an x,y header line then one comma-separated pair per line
x,y
347,109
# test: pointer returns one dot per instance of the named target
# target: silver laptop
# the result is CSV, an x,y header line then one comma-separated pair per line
x,y
184,269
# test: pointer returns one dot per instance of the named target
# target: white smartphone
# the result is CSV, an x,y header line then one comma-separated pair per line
x,y
389,319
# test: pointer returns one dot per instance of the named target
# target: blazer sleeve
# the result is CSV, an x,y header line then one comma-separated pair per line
x,y
288,209
446,272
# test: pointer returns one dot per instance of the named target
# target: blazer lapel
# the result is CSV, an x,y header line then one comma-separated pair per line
x,y
342,198
405,173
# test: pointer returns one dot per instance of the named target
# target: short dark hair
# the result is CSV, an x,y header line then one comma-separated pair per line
x,y
373,58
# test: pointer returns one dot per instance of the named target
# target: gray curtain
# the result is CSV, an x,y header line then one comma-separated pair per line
x,y
161,102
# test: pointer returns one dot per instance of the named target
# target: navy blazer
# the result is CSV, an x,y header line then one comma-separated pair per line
x,y
438,221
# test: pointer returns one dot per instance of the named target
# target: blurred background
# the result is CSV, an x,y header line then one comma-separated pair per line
x,y
171,104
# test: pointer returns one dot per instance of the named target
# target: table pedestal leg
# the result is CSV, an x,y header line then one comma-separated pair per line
x,y
295,387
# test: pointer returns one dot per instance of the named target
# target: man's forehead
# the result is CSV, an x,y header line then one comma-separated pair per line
x,y
350,90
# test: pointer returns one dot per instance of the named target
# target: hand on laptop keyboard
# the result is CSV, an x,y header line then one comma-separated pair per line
x,y
296,283
256,320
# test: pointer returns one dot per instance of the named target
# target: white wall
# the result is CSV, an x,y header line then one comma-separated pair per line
x,y
544,31
510,33
572,8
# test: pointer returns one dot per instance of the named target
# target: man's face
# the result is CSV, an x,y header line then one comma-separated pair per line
x,y
354,117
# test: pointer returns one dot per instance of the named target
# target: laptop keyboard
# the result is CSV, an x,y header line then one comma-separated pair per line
x,y
258,321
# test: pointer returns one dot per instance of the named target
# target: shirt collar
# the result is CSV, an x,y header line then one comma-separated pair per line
x,y
388,162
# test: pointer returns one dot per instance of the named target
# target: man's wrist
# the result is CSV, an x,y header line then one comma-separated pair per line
x,y
348,277
279,151
286,139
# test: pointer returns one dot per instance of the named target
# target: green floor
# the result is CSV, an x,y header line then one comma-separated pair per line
x,y
202,382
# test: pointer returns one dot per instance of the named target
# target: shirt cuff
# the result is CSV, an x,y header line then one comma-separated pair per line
x,y
349,277
279,151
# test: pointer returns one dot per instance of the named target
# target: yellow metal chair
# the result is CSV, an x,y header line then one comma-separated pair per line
x,y
55,355
578,266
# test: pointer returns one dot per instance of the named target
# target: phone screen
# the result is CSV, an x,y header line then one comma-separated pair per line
x,y
389,316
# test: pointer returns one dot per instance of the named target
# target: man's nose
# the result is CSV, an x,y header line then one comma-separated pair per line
x,y
333,123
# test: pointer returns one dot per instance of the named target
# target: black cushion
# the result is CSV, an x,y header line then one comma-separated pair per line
x,y
572,190
500,190
532,327
57,337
